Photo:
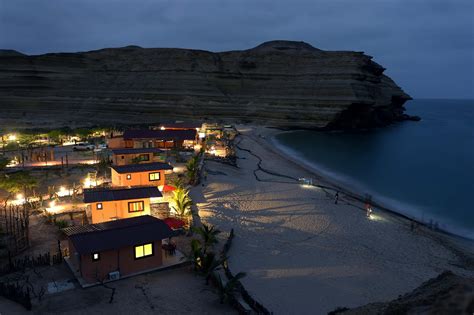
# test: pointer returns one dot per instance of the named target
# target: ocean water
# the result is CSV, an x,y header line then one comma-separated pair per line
x,y
424,169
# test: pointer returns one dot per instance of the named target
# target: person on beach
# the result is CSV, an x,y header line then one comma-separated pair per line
x,y
368,208
336,198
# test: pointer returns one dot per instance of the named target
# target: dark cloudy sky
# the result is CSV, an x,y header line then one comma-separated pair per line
x,y
427,46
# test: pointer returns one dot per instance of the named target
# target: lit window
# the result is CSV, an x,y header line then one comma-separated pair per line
x,y
136,206
144,250
99,206
95,256
154,176
129,176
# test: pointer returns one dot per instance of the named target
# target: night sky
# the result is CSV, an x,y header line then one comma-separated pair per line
x,y
427,46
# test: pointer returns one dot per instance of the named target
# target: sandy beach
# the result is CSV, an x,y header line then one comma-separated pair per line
x,y
304,254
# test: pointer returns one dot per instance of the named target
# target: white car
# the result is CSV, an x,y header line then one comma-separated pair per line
x,y
83,147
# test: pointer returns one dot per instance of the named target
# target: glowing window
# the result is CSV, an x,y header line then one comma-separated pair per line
x,y
136,206
154,176
95,256
144,250
99,206
129,176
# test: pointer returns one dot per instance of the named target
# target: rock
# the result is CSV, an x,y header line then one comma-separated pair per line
x,y
446,294
279,83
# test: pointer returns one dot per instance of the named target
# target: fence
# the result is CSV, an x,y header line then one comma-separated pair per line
x,y
16,293
21,264
14,223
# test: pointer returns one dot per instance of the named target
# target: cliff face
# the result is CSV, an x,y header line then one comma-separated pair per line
x,y
279,83
446,294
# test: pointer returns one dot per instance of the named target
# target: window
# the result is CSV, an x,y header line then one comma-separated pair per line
x,y
154,176
99,206
123,157
95,256
136,206
145,250
129,176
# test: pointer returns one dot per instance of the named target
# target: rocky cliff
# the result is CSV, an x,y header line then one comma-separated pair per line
x,y
446,294
278,83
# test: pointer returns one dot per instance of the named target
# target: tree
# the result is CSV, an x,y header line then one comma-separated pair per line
x,y
208,234
204,263
18,182
226,291
193,167
182,202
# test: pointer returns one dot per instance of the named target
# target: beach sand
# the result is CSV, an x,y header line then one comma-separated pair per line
x,y
304,254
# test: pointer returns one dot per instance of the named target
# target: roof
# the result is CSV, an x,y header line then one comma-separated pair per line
x,y
181,124
169,134
110,235
143,167
174,223
136,150
120,193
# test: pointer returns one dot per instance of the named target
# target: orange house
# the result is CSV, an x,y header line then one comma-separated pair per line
x,y
140,174
107,204
127,156
111,250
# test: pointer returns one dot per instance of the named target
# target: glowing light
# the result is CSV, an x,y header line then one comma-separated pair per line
x,y
163,128
12,138
202,135
63,191
19,197
54,208
87,182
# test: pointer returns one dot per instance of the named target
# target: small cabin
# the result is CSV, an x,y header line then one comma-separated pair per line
x,y
127,156
108,204
163,139
109,251
141,174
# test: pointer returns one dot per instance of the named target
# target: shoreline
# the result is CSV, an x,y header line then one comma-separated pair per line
x,y
295,238
269,141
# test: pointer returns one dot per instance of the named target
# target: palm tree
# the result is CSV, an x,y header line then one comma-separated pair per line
x,y
182,202
226,291
193,166
208,234
209,264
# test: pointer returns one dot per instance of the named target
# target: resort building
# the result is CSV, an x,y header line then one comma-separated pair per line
x,y
109,251
164,139
107,204
141,174
127,156
181,125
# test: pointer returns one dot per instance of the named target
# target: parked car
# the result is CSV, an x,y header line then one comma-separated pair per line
x,y
101,147
83,147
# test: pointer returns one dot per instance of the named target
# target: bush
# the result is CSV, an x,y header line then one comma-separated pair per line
x,y
61,224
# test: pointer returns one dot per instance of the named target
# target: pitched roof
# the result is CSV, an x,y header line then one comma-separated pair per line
x,y
181,124
99,237
136,150
188,134
120,193
143,167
